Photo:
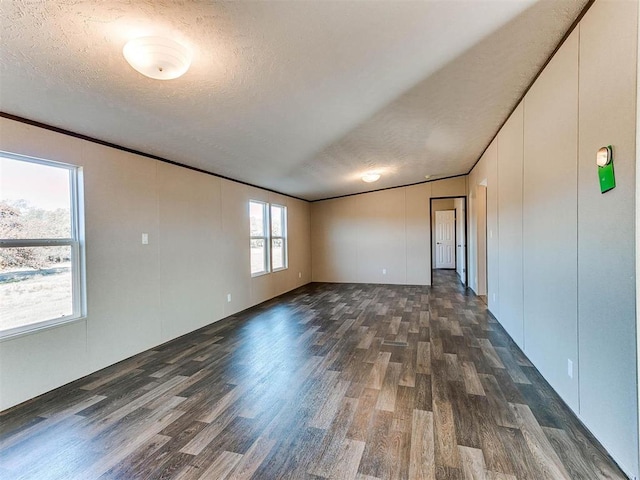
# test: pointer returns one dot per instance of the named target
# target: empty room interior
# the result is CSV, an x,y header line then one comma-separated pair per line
x,y
343,240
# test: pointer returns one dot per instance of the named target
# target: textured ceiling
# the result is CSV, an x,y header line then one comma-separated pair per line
x,y
298,97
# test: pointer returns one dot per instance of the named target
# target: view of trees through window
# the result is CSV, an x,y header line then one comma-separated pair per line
x,y
36,255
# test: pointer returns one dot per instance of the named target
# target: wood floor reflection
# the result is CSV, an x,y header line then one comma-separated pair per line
x,y
329,381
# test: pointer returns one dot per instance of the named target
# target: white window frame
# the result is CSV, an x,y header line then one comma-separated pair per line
x,y
265,237
283,237
76,242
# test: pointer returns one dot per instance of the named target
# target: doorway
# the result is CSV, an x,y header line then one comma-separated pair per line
x,y
448,238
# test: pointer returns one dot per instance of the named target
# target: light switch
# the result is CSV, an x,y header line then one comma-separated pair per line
x,y
145,239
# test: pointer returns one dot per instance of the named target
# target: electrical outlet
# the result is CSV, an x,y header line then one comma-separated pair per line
x,y
569,368
145,239
228,298
299,274
494,297
384,271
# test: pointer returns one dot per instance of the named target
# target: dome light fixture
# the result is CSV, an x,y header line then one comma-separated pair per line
x,y
370,177
157,57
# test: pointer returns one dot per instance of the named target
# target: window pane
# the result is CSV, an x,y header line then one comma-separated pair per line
x,y
34,200
256,219
35,285
276,221
277,253
258,254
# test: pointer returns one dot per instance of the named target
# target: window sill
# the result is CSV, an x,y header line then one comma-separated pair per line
x,y
15,332
259,274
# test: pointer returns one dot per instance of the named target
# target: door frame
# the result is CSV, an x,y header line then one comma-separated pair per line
x,y
466,235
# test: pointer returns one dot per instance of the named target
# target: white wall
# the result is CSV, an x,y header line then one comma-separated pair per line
x,y
354,238
477,220
461,241
139,296
550,212
564,280
606,293
510,263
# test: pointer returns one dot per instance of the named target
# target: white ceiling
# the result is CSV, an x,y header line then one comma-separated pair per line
x,y
301,97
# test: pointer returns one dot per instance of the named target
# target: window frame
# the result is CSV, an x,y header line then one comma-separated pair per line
x,y
76,242
283,237
266,230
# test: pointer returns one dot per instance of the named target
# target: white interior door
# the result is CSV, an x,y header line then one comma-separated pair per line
x,y
445,239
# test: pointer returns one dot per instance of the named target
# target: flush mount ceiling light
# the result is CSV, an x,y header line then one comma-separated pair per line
x,y
427,177
157,57
370,177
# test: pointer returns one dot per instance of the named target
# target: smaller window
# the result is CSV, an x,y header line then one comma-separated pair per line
x,y
259,221
278,237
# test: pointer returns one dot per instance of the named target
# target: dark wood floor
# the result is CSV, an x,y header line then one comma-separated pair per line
x,y
329,381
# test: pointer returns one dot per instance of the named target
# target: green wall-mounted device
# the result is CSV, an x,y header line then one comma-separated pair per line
x,y
606,176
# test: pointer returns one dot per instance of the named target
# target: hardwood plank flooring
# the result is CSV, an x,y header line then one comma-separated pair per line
x,y
362,382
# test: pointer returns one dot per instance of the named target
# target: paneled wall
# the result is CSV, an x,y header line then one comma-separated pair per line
x,y
139,296
561,263
378,237
510,196
550,212
606,227
461,241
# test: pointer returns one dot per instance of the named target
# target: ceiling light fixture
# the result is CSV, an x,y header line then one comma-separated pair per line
x,y
427,177
370,177
157,57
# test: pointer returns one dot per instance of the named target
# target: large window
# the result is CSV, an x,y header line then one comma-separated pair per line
x,y
268,229
41,250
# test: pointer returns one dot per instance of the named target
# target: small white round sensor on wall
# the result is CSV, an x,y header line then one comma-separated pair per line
x,y
603,157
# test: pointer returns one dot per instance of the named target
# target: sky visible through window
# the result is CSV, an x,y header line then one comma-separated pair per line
x,y
43,186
